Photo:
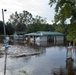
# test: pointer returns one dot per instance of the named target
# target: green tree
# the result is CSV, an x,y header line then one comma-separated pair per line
x,y
39,24
1,28
65,9
61,28
9,29
39,27
20,21
39,19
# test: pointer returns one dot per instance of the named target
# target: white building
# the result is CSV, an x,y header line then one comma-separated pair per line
x,y
45,36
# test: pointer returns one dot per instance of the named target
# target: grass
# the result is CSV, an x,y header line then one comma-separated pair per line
x,y
23,71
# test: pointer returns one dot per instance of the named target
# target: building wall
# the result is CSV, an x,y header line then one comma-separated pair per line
x,y
43,38
56,39
59,39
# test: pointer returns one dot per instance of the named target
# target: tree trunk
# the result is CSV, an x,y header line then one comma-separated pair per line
x,y
73,43
69,43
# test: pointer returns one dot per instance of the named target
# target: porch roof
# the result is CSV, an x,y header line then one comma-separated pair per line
x,y
44,33
33,34
20,33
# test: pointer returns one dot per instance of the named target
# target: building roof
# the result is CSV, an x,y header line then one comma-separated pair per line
x,y
20,33
44,33
33,34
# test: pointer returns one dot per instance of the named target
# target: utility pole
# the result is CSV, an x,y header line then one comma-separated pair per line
x,y
4,10
5,41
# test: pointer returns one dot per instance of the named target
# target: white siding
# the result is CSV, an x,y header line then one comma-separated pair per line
x,y
59,39
43,38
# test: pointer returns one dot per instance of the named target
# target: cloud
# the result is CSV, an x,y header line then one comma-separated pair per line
x,y
36,7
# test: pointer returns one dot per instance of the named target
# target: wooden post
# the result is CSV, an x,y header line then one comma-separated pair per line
x,y
69,44
5,62
55,40
28,40
34,40
6,44
73,43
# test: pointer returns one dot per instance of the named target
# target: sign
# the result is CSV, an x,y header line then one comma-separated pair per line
x,y
6,42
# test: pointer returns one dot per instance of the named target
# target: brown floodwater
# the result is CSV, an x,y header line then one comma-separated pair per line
x,y
53,60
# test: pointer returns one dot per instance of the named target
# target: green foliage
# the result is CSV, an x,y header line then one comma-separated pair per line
x,y
39,24
21,20
25,22
1,28
24,72
39,20
1,38
9,28
61,28
71,32
39,27
51,2
65,9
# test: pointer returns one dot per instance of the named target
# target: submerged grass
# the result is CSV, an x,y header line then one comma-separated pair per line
x,y
23,71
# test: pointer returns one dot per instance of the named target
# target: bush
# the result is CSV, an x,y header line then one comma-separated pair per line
x,y
1,38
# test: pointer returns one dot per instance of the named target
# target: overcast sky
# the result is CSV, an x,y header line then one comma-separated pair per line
x,y
35,7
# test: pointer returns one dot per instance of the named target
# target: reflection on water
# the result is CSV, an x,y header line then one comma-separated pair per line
x,y
1,54
45,43
51,61
70,68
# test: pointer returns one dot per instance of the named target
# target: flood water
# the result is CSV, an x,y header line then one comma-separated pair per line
x,y
45,63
